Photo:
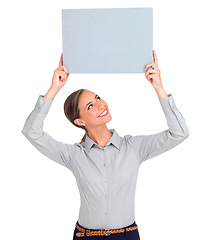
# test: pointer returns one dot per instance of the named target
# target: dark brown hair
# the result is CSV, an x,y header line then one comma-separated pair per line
x,y
71,109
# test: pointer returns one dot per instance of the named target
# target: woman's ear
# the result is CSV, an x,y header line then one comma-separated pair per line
x,y
79,122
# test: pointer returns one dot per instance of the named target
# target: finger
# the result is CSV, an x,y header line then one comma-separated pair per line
x,y
152,64
149,71
61,75
148,65
63,68
59,65
155,58
150,76
61,60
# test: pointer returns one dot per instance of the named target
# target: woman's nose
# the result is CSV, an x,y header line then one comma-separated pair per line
x,y
101,106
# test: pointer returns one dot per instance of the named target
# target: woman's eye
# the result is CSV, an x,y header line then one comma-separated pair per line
x,y
91,104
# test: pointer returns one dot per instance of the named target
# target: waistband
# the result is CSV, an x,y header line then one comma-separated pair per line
x,y
101,232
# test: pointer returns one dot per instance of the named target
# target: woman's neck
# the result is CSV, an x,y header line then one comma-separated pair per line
x,y
100,135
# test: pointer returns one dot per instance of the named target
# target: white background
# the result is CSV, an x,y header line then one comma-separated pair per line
x,y
40,198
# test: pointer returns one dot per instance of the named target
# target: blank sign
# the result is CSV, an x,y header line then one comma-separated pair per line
x,y
107,40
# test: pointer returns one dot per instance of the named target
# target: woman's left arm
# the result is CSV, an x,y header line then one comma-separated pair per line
x,y
149,146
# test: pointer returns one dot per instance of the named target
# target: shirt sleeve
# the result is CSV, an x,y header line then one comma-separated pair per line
x,y
149,146
33,130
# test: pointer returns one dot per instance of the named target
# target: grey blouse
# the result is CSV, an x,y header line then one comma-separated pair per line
x,y
106,176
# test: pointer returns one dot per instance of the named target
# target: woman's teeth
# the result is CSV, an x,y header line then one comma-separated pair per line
x,y
103,113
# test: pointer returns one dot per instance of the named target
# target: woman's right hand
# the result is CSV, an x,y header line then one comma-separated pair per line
x,y
60,75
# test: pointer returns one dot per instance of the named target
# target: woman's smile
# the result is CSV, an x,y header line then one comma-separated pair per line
x,y
104,113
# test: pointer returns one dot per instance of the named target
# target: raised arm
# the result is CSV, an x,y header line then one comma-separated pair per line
x,y
149,146
33,128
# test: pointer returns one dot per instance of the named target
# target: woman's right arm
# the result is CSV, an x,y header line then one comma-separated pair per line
x,y
33,128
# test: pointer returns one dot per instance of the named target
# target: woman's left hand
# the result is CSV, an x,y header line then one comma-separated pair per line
x,y
153,75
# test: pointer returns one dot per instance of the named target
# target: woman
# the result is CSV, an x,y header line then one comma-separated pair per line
x,y
104,164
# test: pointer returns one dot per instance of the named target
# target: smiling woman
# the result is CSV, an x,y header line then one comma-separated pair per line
x,y
104,164
86,110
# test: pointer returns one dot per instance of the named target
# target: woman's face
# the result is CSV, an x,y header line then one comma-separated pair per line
x,y
91,106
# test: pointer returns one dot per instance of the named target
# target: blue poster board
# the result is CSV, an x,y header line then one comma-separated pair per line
x,y
107,40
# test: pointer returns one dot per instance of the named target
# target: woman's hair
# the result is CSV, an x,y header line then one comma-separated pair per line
x,y
71,109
